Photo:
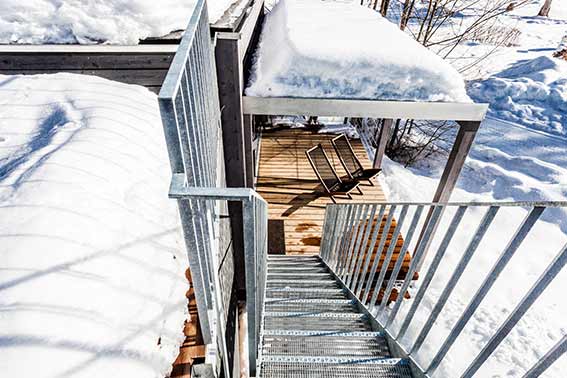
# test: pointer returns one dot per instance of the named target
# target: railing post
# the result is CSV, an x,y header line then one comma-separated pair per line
x,y
382,142
455,162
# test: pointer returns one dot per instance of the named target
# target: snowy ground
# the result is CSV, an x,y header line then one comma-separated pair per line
x,y
86,22
92,258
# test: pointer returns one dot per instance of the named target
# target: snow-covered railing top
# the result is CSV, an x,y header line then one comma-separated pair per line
x,y
321,49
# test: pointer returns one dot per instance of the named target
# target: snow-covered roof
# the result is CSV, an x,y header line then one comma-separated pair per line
x,y
323,49
104,21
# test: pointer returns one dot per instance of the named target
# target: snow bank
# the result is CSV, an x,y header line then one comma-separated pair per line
x,y
85,22
532,93
315,48
92,259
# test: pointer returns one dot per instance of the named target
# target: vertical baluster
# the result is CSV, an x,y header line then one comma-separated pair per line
x,y
388,257
417,258
432,269
400,260
537,289
503,260
550,357
353,254
455,277
369,248
362,250
383,237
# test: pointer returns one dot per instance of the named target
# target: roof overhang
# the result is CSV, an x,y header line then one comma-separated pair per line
x,y
434,111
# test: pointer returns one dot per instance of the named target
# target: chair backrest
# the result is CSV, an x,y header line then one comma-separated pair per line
x,y
347,156
323,167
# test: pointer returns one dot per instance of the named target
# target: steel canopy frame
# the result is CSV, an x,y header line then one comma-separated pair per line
x,y
468,116
433,111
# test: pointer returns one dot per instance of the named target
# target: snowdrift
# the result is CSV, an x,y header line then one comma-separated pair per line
x,y
87,22
315,48
92,271
532,93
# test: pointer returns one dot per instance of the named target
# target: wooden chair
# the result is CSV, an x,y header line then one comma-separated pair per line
x,y
327,175
350,162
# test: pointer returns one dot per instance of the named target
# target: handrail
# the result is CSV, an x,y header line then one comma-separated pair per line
x,y
366,246
255,225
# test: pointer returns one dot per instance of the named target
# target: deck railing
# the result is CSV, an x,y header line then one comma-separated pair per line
x,y
367,246
190,114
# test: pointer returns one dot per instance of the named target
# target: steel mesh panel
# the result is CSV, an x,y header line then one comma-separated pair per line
x,y
327,370
330,346
316,323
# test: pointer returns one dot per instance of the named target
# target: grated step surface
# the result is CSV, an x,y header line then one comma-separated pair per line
x,y
352,344
335,370
311,329
310,306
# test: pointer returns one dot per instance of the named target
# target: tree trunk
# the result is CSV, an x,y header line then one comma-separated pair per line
x,y
408,7
544,11
384,7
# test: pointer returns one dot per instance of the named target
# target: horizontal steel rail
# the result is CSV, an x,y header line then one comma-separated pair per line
x,y
365,246
255,223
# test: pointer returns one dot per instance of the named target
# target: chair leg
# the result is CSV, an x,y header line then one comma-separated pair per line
x,y
349,196
371,182
359,190
333,199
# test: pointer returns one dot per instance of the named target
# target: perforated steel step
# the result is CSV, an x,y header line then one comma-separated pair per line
x,y
345,345
317,322
306,293
320,284
379,368
309,305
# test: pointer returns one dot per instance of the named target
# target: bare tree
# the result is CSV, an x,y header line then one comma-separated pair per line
x,y
544,11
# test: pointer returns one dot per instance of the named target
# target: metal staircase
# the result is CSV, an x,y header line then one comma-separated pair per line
x,y
311,328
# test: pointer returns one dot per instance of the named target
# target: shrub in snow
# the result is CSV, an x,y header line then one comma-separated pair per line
x,y
313,48
92,280
532,93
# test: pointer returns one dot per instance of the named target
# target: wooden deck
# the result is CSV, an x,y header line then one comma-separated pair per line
x,y
296,199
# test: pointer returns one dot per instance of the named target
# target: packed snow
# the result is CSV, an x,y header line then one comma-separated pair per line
x,y
117,22
316,48
532,93
92,272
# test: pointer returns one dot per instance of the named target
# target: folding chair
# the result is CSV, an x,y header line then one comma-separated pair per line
x,y
327,175
350,162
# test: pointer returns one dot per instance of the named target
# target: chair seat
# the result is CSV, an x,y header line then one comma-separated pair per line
x,y
344,187
368,174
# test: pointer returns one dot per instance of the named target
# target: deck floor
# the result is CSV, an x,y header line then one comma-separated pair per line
x,y
296,199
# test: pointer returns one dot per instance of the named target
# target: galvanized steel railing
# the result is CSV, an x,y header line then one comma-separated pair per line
x,y
352,232
255,225
189,106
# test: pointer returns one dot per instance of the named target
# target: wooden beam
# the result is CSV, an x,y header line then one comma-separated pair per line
x,y
440,111
383,137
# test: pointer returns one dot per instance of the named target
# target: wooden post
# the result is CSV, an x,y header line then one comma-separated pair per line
x,y
383,138
453,168
229,77
249,149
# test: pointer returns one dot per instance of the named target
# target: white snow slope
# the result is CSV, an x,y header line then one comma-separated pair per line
x,y
92,258
121,22
315,48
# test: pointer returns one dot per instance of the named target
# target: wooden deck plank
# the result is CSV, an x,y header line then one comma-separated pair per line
x,y
287,181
